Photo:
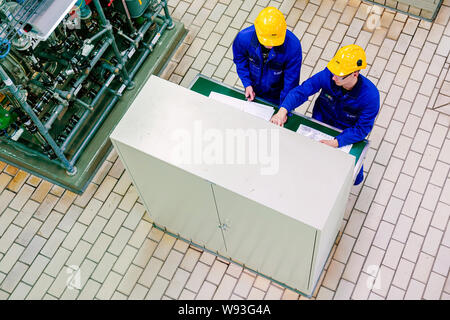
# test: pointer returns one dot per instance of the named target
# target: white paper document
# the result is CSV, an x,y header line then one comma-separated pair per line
x,y
318,135
256,109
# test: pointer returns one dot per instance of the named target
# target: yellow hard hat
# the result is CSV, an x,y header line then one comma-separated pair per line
x,y
348,59
270,27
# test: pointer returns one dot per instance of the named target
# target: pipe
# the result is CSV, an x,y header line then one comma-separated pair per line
x,y
108,26
167,14
94,61
75,129
127,12
53,117
96,36
93,130
42,130
148,49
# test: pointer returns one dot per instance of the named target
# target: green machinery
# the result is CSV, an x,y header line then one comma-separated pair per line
x,y
69,70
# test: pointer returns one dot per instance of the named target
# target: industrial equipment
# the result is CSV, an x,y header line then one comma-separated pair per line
x,y
64,65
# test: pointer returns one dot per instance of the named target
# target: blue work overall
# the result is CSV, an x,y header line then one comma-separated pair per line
x,y
352,111
274,79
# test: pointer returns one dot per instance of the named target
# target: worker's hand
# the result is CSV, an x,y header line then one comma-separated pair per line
x,y
280,117
332,143
249,93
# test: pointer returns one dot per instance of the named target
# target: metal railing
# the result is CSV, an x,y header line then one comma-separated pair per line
x,y
422,9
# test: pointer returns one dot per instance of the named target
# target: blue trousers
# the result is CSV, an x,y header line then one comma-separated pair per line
x,y
359,177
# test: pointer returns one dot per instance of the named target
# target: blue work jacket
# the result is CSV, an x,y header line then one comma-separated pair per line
x,y
353,111
274,79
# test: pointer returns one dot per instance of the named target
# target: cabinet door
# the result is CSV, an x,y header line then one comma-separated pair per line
x,y
266,240
175,199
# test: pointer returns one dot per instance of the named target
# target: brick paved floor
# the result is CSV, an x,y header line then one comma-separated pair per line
x,y
394,242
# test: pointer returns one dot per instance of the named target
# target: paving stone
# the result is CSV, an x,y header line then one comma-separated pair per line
x,y
110,205
129,199
21,198
134,217
11,257
74,236
53,243
4,181
109,286
65,202
334,273
432,241
225,288
46,207
32,250
119,241
57,261
421,180
94,229
140,233
139,292
9,237
412,248
411,56
197,277
364,241
28,232
82,200
78,255
431,197
207,291
177,284
90,290
122,185
105,188
393,210
171,264
50,224
244,285
415,290
129,281
427,52
442,264
104,267
393,169
403,274
18,181
20,292
8,214
435,33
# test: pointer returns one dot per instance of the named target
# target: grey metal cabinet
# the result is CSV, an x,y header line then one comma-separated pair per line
x,y
281,223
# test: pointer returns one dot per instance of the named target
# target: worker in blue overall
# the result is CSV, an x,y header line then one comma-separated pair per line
x,y
268,57
348,100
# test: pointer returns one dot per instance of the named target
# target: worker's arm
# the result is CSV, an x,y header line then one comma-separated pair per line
x,y
292,72
241,60
299,95
370,107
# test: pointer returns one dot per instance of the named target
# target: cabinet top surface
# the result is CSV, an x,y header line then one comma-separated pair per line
x,y
273,166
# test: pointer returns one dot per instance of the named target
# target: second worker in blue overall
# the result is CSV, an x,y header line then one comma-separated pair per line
x,y
268,57
348,100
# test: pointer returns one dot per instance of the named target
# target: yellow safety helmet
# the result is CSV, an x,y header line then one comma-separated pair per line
x,y
348,59
270,27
